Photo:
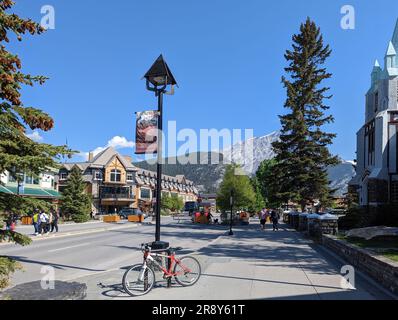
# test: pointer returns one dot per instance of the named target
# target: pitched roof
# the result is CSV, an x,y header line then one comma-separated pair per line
x,y
101,160
391,50
395,36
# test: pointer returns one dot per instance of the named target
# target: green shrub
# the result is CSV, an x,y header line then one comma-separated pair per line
x,y
362,217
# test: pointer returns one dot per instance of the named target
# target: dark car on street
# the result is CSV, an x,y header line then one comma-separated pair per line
x,y
126,212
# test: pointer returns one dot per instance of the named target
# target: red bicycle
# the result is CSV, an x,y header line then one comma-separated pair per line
x,y
139,279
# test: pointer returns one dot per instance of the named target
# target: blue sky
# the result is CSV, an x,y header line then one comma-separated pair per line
x,y
227,56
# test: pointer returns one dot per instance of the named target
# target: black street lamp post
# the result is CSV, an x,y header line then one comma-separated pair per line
x,y
231,201
158,78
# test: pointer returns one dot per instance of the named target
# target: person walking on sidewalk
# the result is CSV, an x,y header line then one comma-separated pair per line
x,y
43,220
50,221
35,221
263,218
54,224
275,217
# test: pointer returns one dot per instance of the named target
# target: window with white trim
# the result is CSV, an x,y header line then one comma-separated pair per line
x,y
116,175
98,175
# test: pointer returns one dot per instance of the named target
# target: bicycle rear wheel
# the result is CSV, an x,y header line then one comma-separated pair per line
x,y
137,281
189,271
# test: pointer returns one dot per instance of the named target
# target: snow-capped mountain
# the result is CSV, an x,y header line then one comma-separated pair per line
x,y
249,154
340,176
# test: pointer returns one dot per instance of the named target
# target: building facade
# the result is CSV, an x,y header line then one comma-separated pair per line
x,y
115,183
376,179
109,178
172,186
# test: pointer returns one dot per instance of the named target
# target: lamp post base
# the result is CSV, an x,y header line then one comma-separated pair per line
x,y
230,233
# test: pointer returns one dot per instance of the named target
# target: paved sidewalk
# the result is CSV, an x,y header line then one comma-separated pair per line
x,y
252,264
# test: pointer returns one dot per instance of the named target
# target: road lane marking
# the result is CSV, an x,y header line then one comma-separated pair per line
x,y
71,247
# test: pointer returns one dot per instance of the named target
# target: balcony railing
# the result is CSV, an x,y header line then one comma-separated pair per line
x,y
116,196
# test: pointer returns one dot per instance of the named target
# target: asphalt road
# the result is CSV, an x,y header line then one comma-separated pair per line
x,y
90,253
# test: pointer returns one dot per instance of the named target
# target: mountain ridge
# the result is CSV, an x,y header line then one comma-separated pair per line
x,y
209,176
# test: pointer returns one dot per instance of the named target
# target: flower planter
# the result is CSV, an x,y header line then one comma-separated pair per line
x,y
111,219
26,221
136,218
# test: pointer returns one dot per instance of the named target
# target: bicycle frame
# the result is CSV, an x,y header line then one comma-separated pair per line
x,y
172,262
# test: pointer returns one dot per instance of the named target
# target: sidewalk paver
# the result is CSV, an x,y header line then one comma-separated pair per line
x,y
253,264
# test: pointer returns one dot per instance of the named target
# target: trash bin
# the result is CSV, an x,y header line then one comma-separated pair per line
x,y
313,224
329,223
303,222
295,220
286,217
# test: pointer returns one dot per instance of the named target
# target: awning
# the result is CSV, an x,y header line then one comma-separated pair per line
x,y
31,192
5,190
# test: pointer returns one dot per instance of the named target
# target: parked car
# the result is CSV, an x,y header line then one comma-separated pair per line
x,y
126,212
191,207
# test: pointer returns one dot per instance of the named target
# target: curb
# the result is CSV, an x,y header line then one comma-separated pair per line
x,y
69,234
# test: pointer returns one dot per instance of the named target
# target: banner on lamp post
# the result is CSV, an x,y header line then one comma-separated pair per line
x,y
146,137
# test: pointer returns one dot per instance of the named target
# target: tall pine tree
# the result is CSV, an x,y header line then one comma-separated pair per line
x,y
18,153
302,154
75,203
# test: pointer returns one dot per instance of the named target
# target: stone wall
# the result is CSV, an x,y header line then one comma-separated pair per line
x,y
382,270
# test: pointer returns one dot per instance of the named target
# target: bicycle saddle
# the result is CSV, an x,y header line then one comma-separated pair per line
x,y
175,249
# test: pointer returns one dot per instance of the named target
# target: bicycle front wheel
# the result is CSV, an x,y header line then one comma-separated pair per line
x,y
138,281
188,271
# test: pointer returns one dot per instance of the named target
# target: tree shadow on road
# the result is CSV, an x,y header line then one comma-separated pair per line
x,y
54,265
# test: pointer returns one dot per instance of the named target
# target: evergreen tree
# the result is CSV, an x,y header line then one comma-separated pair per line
x,y
75,203
18,153
244,196
266,182
302,153
259,202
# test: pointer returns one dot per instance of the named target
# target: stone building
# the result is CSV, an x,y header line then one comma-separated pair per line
x,y
376,179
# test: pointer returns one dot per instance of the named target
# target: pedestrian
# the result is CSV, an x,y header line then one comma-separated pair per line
x,y
263,218
35,221
8,222
43,218
54,224
50,221
275,217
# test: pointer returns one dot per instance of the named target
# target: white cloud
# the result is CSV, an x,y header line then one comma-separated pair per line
x,y
116,142
120,143
35,136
